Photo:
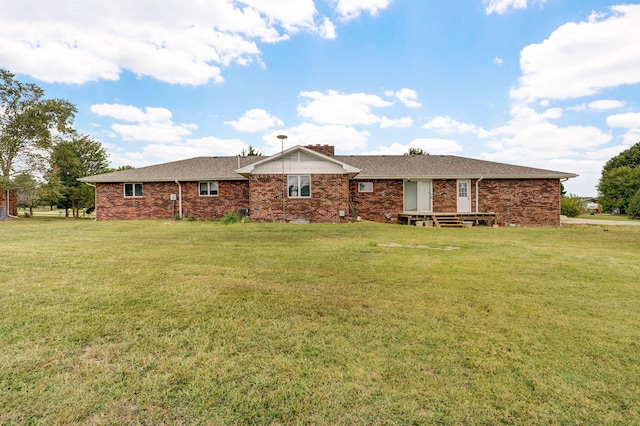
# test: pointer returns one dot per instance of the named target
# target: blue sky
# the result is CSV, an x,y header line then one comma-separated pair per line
x,y
545,83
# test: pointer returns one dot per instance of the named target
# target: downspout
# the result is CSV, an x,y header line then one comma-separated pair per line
x,y
8,204
477,182
179,197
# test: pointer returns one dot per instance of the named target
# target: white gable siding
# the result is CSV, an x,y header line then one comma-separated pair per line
x,y
299,163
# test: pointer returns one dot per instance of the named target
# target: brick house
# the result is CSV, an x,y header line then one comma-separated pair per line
x,y
8,203
312,184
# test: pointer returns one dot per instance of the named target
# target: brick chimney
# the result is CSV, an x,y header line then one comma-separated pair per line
x,y
323,149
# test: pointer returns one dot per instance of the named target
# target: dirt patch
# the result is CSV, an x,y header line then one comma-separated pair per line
x,y
418,246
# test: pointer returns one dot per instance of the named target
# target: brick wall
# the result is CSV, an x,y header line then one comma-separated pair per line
x,y
156,202
530,202
445,195
232,195
527,202
329,195
13,201
386,199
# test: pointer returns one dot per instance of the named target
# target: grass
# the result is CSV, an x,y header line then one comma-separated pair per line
x,y
151,322
48,213
605,216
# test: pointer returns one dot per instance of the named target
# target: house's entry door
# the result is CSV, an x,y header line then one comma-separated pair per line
x,y
464,196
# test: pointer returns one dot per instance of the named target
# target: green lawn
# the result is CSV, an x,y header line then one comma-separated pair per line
x,y
605,216
152,322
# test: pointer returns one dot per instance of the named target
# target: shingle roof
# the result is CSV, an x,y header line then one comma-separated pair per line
x,y
371,166
441,166
193,169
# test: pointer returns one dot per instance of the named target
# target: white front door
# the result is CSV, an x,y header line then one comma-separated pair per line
x,y
464,196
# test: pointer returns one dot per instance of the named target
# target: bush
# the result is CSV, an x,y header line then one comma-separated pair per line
x,y
633,210
230,217
571,206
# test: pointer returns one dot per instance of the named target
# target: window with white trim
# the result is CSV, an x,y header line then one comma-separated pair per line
x,y
133,190
299,186
208,189
365,186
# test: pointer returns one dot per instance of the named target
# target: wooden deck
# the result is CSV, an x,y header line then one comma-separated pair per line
x,y
451,220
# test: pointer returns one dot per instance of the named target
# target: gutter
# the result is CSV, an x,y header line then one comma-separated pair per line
x,y
179,197
478,181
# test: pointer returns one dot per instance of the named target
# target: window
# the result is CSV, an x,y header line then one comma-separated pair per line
x,y
208,189
299,186
365,186
463,190
133,190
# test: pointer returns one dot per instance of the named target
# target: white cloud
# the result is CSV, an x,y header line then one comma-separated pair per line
x,y
431,146
151,124
530,136
629,120
327,30
408,97
437,146
497,60
581,59
606,104
199,147
401,123
599,105
447,126
632,137
176,41
255,120
163,152
131,113
157,132
530,139
338,108
351,9
503,6
344,138
552,113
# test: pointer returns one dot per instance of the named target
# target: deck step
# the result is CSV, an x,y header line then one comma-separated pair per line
x,y
447,221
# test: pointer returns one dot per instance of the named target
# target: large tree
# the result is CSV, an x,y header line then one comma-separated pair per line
x,y
617,187
620,180
629,157
28,123
72,159
28,189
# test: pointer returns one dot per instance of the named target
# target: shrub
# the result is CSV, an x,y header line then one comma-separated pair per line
x,y
633,210
230,217
571,206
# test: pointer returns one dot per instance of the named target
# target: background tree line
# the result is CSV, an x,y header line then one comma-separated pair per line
x,y
619,186
41,155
